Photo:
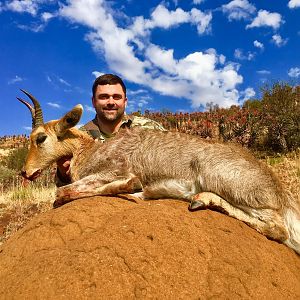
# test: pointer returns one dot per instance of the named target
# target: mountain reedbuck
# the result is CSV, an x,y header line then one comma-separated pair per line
x,y
164,165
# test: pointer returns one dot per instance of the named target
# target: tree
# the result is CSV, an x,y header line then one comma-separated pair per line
x,y
281,110
252,104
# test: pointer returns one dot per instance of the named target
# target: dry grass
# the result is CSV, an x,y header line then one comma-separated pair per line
x,y
287,168
4,152
20,201
19,205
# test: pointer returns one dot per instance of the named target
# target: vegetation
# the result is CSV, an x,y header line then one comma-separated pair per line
x,y
271,124
20,199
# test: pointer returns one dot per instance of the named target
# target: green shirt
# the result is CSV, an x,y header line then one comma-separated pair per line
x,y
127,122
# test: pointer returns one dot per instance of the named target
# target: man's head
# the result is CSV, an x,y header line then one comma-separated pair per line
x,y
109,97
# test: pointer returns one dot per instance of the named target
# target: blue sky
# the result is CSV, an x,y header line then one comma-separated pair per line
x,y
174,55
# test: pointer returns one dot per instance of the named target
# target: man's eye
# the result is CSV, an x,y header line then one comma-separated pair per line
x,y
106,96
117,97
40,139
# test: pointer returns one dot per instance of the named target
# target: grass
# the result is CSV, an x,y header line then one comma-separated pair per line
x,y
287,168
272,161
19,204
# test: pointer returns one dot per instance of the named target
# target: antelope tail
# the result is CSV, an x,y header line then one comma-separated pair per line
x,y
292,222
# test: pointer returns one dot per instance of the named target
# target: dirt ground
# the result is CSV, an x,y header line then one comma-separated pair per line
x,y
110,248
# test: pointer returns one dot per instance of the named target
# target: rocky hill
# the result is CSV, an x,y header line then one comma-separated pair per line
x,y
111,248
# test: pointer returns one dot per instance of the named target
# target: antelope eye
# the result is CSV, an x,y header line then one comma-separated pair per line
x,y
41,138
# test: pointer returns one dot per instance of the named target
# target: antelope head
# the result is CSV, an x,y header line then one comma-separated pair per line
x,y
49,141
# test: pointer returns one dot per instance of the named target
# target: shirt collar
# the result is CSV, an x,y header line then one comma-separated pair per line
x,y
126,123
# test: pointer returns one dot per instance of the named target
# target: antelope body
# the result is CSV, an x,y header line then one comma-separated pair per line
x,y
165,165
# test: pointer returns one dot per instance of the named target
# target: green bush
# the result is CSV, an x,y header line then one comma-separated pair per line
x,y
16,159
6,174
281,111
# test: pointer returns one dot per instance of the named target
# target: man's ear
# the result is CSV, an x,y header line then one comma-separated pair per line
x,y
69,120
126,101
93,101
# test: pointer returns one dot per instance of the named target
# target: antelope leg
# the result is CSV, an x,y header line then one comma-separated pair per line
x,y
94,185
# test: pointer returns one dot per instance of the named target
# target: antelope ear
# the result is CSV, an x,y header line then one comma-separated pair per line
x,y
69,120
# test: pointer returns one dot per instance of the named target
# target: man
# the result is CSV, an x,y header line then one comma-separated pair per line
x,y
110,101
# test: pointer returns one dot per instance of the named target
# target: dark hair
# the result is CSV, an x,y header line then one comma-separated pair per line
x,y
108,79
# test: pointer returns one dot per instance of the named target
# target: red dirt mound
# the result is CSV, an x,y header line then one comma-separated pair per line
x,y
112,248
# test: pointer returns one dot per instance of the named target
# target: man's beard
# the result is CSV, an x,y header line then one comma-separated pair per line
x,y
111,115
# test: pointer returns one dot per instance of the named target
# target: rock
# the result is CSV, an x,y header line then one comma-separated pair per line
x,y
107,247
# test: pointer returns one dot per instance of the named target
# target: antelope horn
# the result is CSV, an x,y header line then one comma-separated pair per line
x,y
30,108
36,111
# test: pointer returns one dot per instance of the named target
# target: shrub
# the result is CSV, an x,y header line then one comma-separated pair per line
x,y
281,110
16,159
6,174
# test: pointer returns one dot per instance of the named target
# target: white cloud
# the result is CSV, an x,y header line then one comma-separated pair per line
x,y
89,108
34,27
142,101
201,20
198,1
294,3
97,74
238,9
161,58
27,6
46,16
294,72
161,17
89,13
136,92
31,7
52,104
15,80
21,6
64,82
200,77
265,18
27,128
263,72
239,54
258,44
197,78
278,40
247,94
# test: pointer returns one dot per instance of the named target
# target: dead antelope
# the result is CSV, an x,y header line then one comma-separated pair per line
x,y
165,165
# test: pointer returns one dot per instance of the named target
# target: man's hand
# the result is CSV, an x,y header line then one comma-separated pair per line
x,y
63,170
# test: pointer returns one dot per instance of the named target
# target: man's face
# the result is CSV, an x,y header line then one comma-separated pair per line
x,y
109,102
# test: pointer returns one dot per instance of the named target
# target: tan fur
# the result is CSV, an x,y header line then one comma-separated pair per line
x,y
171,165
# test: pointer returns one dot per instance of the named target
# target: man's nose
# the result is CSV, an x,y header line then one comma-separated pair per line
x,y
111,99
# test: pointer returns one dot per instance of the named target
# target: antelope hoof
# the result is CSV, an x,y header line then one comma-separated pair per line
x,y
63,196
196,205
57,204
62,200
136,185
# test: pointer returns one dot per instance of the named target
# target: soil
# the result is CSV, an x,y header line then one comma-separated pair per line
x,y
110,248
16,218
